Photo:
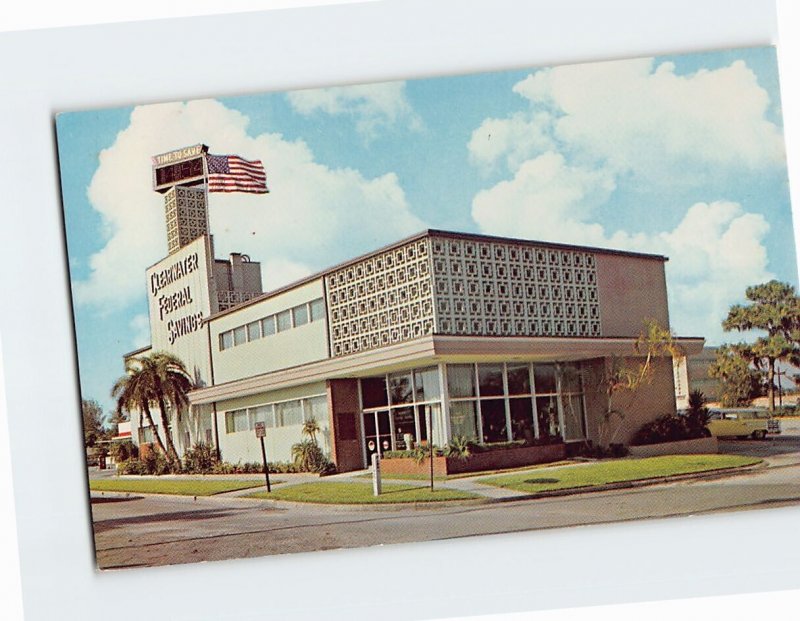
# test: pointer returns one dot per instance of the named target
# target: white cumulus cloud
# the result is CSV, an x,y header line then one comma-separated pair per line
x,y
545,199
714,252
512,140
643,117
314,214
638,124
371,105
140,329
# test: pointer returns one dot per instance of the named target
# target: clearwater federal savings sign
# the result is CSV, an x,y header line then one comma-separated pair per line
x,y
178,296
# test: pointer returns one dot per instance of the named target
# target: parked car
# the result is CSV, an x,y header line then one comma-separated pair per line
x,y
742,423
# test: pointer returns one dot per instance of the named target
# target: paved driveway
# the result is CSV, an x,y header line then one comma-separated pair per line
x,y
780,450
165,530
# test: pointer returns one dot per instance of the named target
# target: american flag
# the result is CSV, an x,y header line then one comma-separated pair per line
x,y
231,173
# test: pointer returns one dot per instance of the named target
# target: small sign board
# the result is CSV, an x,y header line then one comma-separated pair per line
x,y
261,430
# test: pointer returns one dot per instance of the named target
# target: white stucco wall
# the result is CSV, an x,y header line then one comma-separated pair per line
x,y
296,346
243,446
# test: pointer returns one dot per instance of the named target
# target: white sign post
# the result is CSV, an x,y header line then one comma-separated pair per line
x,y
376,474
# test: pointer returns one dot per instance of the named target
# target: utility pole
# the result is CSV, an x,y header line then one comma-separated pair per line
x,y
778,374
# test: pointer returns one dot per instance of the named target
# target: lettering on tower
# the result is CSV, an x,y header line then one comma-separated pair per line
x,y
178,295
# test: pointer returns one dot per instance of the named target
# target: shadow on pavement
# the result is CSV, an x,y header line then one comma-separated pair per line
x,y
96,500
173,516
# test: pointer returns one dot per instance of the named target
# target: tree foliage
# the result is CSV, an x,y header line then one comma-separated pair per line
x,y
93,419
740,381
158,380
774,308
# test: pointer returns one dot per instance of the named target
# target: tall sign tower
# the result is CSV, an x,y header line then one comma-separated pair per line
x,y
181,176
190,284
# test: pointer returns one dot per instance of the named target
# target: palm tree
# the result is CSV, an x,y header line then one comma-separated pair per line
x,y
158,379
311,429
173,383
135,391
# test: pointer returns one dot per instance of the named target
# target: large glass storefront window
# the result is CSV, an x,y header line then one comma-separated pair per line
x,y
517,401
464,420
487,403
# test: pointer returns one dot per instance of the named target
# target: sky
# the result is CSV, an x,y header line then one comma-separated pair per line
x,y
675,155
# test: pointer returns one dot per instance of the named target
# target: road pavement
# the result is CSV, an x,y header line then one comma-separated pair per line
x,y
158,530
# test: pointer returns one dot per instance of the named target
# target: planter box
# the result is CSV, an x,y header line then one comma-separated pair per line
x,y
695,446
491,460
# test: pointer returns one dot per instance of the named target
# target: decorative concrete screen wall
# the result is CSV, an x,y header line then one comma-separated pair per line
x,y
380,300
185,212
505,289
462,286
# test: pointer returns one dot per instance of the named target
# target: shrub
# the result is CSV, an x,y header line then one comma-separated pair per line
x,y
156,463
697,416
613,450
308,457
131,466
123,451
200,459
668,428
460,447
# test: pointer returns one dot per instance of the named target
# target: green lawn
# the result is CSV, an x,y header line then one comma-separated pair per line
x,y
616,471
183,487
360,493
461,475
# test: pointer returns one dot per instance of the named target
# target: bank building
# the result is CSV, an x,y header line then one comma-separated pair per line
x,y
436,336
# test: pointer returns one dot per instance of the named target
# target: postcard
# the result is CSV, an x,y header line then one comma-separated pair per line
x,y
507,292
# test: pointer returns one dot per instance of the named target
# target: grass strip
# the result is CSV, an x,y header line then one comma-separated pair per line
x,y
616,471
182,487
463,475
354,493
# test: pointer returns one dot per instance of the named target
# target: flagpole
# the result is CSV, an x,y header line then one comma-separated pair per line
x,y
205,186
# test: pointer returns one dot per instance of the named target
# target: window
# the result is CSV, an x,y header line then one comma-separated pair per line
x,y
253,331
317,309
544,378
268,325
519,380
490,379
400,388
547,414
460,380
373,392
235,421
522,419
426,384
574,420
239,335
464,420
300,314
288,413
493,417
226,340
284,320
317,408
262,414
146,435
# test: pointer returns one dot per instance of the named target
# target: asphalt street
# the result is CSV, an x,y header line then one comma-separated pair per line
x,y
158,530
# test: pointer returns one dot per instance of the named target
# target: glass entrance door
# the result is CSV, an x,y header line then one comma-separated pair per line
x,y
377,433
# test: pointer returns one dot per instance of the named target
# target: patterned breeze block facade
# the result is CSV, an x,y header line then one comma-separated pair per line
x,y
462,286
186,216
